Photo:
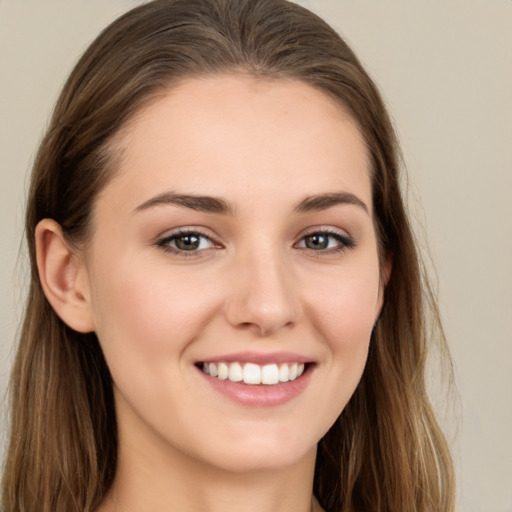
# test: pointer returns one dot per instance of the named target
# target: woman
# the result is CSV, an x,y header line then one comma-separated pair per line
x,y
227,307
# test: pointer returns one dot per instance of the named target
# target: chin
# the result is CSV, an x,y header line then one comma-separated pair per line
x,y
259,451
241,461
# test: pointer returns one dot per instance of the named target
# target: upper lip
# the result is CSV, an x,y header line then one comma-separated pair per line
x,y
259,358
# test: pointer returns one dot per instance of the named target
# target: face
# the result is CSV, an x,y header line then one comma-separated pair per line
x,y
233,275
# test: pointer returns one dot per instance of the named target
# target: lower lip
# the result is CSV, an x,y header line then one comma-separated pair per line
x,y
261,395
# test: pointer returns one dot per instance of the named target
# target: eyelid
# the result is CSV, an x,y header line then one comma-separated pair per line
x,y
345,241
163,241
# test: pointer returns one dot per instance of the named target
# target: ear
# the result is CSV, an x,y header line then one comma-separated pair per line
x,y
63,276
386,269
385,273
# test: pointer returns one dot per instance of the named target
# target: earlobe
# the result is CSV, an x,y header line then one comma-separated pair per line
x,y
385,274
387,268
63,277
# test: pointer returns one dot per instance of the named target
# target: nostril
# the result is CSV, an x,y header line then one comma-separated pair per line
x,y
262,306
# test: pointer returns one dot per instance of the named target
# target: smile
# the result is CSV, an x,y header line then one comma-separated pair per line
x,y
254,374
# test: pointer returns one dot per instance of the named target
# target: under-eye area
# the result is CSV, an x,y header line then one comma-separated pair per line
x,y
235,160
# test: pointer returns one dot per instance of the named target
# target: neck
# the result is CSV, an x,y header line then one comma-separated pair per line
x,y
182,487
158,479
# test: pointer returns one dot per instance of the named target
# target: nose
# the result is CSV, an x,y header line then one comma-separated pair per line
x,y
264,297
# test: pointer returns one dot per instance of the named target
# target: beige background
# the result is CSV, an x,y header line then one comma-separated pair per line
x,y
445,70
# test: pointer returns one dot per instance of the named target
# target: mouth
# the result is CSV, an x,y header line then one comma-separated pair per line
x,y
254,374
253,379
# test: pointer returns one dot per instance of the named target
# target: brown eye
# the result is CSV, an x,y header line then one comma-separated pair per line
x,y
186,242
189,242
326,241
316,241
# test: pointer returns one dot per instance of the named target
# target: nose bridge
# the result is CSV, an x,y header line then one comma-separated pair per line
x,y
264,294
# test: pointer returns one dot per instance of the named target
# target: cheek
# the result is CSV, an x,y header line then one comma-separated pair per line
x,y
346,305
146,317
148,311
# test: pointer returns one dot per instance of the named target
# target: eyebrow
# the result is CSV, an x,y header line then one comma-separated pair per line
x,y
220,206
200,203
324,201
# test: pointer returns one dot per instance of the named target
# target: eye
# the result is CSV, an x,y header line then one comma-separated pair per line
x,y
186,242
327,241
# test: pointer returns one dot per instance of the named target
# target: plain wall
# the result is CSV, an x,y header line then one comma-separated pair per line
x,y
444,68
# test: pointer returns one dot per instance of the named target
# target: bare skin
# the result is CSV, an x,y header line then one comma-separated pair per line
x,y
279,262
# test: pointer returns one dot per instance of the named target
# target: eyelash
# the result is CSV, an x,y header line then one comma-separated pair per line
x,y
344,242
182,233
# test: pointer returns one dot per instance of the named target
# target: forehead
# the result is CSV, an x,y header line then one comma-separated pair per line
x,y
242,138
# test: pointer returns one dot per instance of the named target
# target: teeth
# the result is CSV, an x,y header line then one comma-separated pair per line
x,y
293,371
236,373
255,374
212,370
284,373
223,370
252,373
270,374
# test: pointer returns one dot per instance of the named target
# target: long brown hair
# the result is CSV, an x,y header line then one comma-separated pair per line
x,y
385,453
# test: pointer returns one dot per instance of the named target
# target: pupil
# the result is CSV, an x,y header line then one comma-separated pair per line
x,y
187,242
316,242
